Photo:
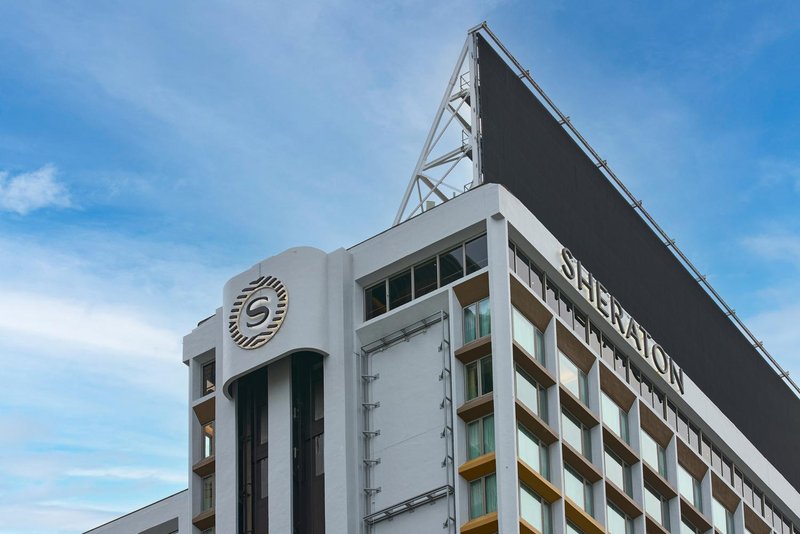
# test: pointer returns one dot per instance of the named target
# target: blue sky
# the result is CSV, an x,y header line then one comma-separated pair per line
x,y
151,150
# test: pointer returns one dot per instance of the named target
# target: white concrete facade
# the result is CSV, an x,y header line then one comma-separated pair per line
x,y
414,441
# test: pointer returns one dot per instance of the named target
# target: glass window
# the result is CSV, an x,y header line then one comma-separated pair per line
x,y
618,522
723,519
576,435
480,437
476,254
688,528
208,439
451,265
522,267
689,487
614,417
425,279
537,278
573,378
208,493
399,290
479,377
534,509
531,394
209,377
579,490
528,336
618,472
482,496
572,529
654,454
375,300
656,507
477,320
532,451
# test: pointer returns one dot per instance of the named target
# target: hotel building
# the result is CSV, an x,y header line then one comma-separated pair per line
x,y
531,355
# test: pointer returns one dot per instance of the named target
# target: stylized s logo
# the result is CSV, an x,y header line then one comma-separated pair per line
x,y
257,309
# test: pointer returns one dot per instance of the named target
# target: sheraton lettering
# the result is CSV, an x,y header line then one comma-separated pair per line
x,y
610,308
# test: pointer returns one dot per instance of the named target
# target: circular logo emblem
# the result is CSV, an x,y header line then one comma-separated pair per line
x,y
258,312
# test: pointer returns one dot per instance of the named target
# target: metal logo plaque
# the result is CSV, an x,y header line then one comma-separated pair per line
x,y
258,312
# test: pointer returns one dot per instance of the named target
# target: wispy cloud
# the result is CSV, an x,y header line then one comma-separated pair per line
x,y
29,191
779,247
130,473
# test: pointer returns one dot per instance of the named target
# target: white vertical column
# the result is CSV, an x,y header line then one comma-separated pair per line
x,y
279,467
503,376
554,420
672,478
637,470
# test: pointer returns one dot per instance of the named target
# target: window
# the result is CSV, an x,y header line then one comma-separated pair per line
x,y
579,490
654,454
534,509
477,321
209,378
531,394
618,472
208,493
425,279
618,522
656,506
451,266
722,517
614,417
576,434
689,487
572,529
528,336
688,528
208,439
482,496
480,437
479,377
532,451
399,290
573,378
375,300
476,256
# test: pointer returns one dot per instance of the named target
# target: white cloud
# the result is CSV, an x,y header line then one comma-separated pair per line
x,y
33,190
781,247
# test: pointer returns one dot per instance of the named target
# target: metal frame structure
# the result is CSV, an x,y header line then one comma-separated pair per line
x,y
471,148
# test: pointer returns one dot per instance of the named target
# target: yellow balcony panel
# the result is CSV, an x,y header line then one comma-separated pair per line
x,y
485,524
478,467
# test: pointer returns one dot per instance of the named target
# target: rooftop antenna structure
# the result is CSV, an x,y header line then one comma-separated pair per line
x,y
449,163
455,137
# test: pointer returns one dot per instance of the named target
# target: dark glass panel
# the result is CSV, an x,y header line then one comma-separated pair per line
x,y
537,281
511,255
451,265
375,300
566,310
209,377
595,338
476,255
400,290
522,267
425,278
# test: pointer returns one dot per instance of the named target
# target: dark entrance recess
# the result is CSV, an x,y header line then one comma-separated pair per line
x,y
308,427
526,150
251,403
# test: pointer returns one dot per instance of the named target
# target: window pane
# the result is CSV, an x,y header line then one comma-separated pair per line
x,y
614,417
488,434
722,521
523,332
425,278
529,394
472,380
484,318
522,268
375,300
618,522
451,265
573,378
536,281
689,487
208,439
654,506
486,375
577,491
530,451
263,479
476,254
473,440
209,377
491,494
539,345
575,435
653,454
399,290
617,472
531,508
208,493
476,498
470,324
